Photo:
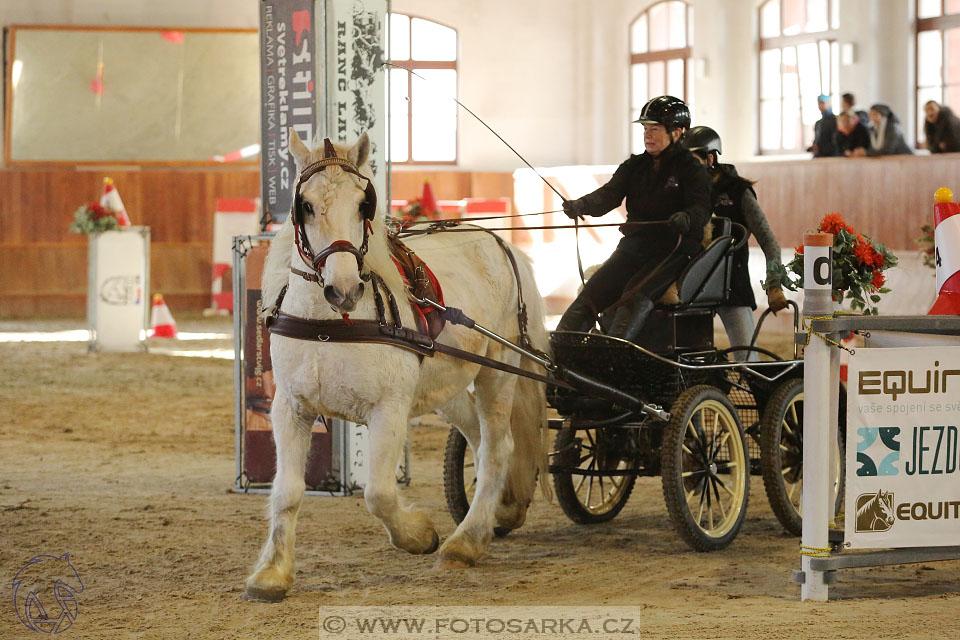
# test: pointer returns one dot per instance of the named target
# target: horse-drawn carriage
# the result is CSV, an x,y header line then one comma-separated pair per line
x,y
715,422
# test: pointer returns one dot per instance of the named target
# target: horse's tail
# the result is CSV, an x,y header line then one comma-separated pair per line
x,y
276,271
528,420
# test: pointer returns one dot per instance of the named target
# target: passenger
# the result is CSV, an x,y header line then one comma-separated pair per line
x,y
733,197
825,130
853,139
886,137
941,128
663,184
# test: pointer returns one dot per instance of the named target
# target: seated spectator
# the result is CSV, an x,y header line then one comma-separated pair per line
x,y
941,127
848,103
886,137
824,130
853,139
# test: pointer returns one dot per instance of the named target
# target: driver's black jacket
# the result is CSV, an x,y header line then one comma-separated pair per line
x,y
655,189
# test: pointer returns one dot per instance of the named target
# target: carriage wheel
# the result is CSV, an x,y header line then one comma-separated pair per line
x,y
460,478
705,468
781,454
591,499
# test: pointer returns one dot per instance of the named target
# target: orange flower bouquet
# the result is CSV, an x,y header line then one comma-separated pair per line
x,y
858,266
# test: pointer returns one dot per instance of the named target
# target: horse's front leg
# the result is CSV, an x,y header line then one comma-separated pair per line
x,y
273,575
409,529
494,393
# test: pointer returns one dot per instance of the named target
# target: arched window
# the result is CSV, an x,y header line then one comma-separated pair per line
x,y
660,44
938,55
423,114
798,62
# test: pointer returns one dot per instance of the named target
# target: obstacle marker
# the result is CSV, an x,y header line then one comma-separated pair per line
x,y
947,243
110,199
162,324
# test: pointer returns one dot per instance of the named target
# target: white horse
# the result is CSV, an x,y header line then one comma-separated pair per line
x,y
383,386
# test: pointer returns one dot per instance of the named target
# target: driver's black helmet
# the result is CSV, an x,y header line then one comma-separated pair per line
x,y
671,112
702,140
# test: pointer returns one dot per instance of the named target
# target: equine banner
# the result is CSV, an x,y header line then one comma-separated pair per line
x,y
357,81
288,89
903,459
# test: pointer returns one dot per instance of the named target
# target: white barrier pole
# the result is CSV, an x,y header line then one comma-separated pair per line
x,y
817,496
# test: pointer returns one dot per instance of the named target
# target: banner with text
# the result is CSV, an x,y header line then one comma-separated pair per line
x,y
357,80
288,46
903,462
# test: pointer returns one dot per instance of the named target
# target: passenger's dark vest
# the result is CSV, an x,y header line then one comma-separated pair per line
x,y
726,194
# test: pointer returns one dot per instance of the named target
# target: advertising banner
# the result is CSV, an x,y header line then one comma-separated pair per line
x,y
903,460
288,89
357,80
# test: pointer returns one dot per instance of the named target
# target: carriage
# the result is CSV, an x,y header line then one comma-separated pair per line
x,y
676,406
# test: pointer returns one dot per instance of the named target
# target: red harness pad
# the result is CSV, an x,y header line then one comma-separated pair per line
x,y
423,284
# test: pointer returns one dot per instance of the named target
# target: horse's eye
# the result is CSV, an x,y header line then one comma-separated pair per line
x,y
308,208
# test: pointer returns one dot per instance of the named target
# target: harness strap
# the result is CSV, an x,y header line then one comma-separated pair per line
x,y
371,331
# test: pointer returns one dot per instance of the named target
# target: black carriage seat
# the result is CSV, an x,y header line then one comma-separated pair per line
x,y
685,322
705,282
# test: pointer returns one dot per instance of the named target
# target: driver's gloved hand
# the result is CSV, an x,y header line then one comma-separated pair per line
x,y
680,222
573,209
776,300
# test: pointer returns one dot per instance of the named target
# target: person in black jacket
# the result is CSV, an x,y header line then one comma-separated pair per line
x,y
886,136
665,185
733,197
825,130
848,103
941,128
853,139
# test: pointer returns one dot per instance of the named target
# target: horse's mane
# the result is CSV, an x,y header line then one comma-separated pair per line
x,y
869,504
276,271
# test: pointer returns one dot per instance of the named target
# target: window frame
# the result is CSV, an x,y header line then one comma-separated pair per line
x,y
830,35
685,54
415,65
937,23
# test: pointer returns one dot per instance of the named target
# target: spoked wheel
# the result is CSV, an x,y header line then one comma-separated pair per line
x,y
781,454
460,478
705,468
599,497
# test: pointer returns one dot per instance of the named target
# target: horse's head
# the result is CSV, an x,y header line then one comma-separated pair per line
x,y
334,208
885,506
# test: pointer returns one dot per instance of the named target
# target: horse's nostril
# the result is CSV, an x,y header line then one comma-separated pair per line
x,y
333,294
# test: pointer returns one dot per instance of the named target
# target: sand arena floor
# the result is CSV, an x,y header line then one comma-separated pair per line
x,y
126,462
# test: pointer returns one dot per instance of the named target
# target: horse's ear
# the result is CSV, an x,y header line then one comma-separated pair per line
x,y
298,150
360,152
329,151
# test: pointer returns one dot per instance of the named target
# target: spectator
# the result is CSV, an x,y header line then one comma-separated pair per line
x,y
825,130
853,139
886,137
941,127
848,103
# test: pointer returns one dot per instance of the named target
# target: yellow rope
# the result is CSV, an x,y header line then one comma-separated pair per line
x,y
815,552
807,325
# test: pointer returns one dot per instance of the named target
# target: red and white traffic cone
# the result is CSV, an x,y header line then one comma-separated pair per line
x,y
161,320
946,236
110,200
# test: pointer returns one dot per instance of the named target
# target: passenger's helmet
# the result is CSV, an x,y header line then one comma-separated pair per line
x,y
702,140
671,112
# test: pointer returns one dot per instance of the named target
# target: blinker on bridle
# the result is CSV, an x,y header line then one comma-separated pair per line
x,y
368,210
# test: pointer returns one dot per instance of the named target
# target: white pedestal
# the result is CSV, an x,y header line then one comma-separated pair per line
x,y
118,289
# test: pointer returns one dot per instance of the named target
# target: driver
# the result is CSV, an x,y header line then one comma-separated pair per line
x,y
664,184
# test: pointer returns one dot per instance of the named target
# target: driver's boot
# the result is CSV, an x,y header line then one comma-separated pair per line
x,y
579,316
630,318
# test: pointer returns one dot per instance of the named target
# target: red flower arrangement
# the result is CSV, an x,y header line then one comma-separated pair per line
x,y
928,246
858,265
93,218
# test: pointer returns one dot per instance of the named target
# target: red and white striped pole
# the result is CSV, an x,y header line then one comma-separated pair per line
x,y
946,236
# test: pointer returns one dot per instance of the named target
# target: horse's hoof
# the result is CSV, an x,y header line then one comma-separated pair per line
x,y
435,545
451,562
258,594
